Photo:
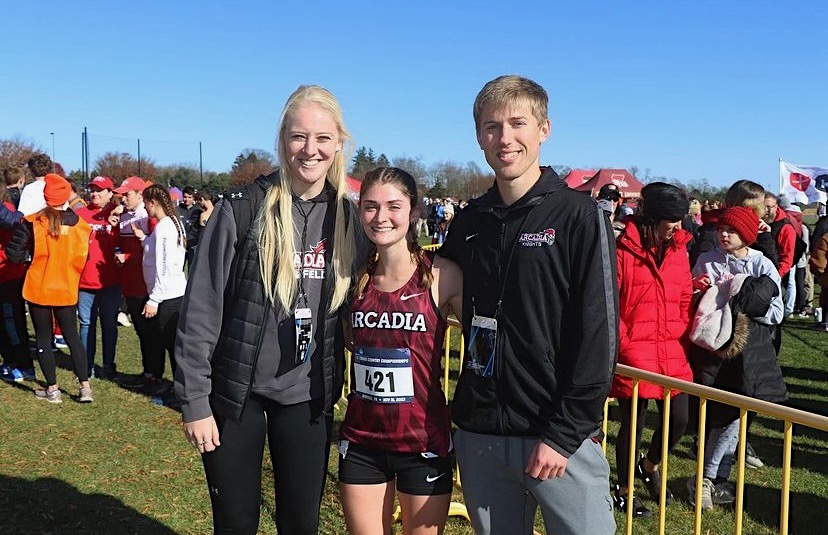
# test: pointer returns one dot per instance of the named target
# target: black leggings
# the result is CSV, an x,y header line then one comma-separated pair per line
x,y
149,337
67,319
678,422
299,440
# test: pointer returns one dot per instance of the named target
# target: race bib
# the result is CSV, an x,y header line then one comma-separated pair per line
x,y
383,375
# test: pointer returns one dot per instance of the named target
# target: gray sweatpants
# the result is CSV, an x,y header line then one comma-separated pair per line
x,y
502,499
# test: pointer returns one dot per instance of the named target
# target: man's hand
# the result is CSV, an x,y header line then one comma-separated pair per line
x,y
545,462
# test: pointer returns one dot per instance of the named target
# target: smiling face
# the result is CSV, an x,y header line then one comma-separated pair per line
x,y
312,140
99,197
188,199
385,213
510,138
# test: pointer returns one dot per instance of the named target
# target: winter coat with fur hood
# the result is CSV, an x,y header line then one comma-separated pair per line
x,y
655,315
746,363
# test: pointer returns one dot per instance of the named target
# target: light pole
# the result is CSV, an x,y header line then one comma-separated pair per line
x,y
53,146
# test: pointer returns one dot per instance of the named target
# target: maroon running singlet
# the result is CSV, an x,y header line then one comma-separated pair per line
x,y
397,403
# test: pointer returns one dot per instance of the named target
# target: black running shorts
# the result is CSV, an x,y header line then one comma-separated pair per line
x,y
416,474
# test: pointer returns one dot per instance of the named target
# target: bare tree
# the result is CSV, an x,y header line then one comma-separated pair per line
x,y
249,164
120,165
415,168
16,151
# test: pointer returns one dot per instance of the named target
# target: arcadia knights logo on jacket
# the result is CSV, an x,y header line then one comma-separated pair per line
x,y
537,239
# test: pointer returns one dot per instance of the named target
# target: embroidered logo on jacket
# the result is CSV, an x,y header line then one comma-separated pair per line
x,y
311,262
537,239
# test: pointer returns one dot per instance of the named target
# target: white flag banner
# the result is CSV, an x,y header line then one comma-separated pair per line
x,y
803,183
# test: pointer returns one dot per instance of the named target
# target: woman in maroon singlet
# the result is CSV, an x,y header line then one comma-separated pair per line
x,y
397,432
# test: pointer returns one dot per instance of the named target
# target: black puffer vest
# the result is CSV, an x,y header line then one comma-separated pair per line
x,y
246,310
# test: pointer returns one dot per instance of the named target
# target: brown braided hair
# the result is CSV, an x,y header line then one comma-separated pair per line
x,y
406,183
159,194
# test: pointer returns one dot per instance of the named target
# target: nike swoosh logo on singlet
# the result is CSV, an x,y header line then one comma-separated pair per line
x,y
404,297
432,479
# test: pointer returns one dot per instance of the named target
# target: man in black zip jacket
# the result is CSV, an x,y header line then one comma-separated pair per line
x,y
541,318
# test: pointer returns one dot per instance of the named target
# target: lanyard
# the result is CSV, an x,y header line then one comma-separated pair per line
x,y
505,272
304,245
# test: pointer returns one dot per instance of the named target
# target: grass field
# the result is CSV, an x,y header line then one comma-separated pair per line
x,y
122,466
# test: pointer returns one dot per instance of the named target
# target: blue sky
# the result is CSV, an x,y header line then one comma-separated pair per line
x,y
691,90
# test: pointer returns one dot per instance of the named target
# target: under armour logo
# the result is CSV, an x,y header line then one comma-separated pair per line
x,y
214,491
237,195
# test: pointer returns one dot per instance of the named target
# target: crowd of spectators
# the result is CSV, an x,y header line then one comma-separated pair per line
x,y
124,265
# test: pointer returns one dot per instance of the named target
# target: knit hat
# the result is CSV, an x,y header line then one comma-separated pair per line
x,y
743,220
609,191
57,190
663,202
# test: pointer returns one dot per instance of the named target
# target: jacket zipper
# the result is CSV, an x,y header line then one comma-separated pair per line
x,y
499,340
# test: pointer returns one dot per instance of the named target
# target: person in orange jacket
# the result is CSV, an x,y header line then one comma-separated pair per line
x,y
57,241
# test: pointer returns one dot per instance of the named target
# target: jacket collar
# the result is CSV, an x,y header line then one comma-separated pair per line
x,y
491,201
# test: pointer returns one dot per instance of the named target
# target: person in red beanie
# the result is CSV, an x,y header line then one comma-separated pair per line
x,y
57,241
752,369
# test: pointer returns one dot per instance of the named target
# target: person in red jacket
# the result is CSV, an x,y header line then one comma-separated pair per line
x,y
783,232
100,288
655,294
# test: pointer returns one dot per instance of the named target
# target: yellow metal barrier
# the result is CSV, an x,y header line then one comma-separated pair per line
x,y
787,415
745,404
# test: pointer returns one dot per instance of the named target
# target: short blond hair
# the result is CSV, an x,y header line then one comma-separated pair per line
x,y
748,194
509,90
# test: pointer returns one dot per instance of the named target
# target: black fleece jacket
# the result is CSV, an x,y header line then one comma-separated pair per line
x,y
550,257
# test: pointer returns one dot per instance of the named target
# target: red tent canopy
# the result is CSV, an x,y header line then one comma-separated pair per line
x,y
353,187
628,185
576,177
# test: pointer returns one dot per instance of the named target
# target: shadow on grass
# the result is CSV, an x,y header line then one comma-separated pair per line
x,y
805,374
764,505
49,506
166,396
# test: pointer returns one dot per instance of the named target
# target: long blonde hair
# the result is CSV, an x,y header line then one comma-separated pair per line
x,y
275,221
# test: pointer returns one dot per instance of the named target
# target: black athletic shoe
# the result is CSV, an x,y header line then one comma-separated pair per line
x,y
619,500
652,480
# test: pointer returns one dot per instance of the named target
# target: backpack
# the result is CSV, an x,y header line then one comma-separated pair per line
x,y
246,201
799,244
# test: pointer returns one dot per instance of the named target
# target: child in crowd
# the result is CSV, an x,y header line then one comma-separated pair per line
x,y
740,358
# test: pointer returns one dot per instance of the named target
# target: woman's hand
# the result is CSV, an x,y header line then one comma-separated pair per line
x,y
202,434
149,311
